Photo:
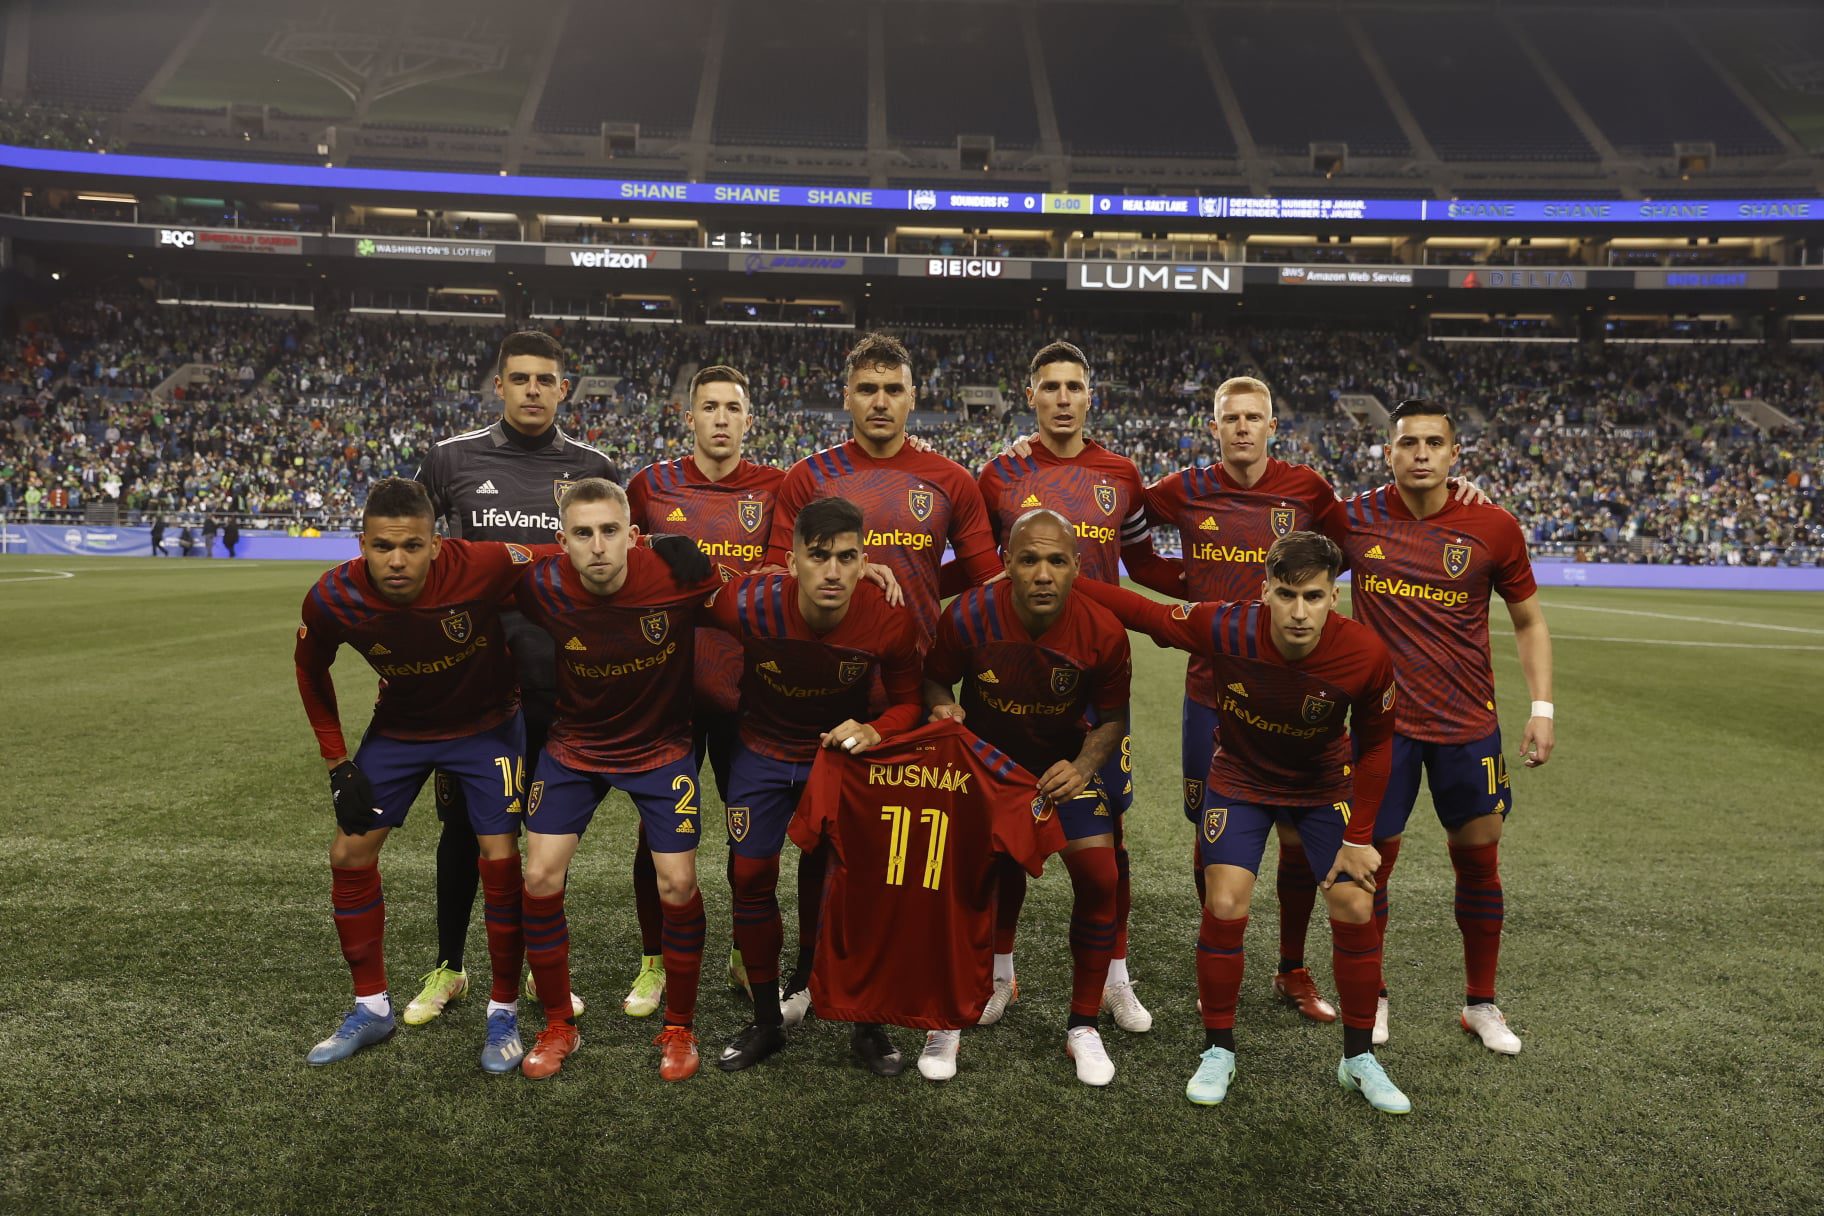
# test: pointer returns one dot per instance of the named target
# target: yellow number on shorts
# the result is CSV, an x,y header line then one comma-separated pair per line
x,y
512,774
1496,769
687,801
1127,753
1342,809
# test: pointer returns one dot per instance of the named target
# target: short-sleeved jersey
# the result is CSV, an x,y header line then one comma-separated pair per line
x,y
915,826
797,683
442,659
911,503
492,485
1423,585
1026,695
623,662
1227,529
1282,740
1100,493
731,520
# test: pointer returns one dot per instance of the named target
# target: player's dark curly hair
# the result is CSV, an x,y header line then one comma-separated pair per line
x,y
1057,352
529,342
1299,556
825,519
876,350
397,498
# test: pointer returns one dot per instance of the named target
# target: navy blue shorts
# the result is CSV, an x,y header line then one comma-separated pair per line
x,y
1088,814
1116,775
1231,833
1467,781
1196,747
563,800
763,796
490,768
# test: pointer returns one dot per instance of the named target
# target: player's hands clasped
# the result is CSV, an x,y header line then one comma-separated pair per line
x,y
352,798
1357,864
1064,781
688,563
1536,745
851,736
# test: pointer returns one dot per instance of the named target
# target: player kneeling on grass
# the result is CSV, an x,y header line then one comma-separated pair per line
x,y
1289,671
422,611
1035,661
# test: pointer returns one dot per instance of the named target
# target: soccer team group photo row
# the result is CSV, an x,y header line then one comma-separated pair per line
x,y
927,732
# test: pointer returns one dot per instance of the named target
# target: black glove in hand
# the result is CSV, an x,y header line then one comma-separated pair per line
x,y
352,797
689,564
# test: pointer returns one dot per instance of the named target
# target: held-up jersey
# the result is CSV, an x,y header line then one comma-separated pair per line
x,y
1226,531
911,502
914,827
1282,741
797,683
1028,695
623,662
1100,493
731,520
443,662
488,485
1423,586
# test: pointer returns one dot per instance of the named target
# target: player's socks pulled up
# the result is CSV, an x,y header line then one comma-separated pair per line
x,y
547,934
759,933
1297,891
1480,911
1356,964
812,869
502,887
457,878
685,928
1390,853
1009,898
1093,876
1219,968
646,895
360,908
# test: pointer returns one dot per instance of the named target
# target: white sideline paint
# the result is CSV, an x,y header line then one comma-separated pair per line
x,y
1672,616
1590,637
39,576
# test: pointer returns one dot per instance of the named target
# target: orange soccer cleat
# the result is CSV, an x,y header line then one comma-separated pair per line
x,y
1297,989
555,1043
678,1056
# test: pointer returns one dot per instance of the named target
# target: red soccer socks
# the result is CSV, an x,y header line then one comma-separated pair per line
x,y
1094,877
361,924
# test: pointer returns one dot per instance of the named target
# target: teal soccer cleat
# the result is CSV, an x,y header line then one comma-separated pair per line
x,y
1209,1085
1365,1075
359,1029
503,1050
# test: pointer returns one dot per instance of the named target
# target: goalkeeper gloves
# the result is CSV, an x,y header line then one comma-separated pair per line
x,y
352,797
689,564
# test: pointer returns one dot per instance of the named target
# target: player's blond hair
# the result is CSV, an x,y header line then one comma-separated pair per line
x,y
592,489
1242,384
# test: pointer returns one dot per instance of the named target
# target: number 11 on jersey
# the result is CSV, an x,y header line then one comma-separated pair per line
x,y
937,825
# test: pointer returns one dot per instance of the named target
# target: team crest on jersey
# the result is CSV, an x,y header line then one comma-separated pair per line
x,y
558,488
1105,498
1181,611
851,670
740,819
534,796
519,553
921,502
1064,680
655,625
748,510
1193,795
1387,698
1317,709
1215,819
1456,559
457,628
1042,809
1281,520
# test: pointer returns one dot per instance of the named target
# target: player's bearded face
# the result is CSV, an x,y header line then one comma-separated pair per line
x,y
1422,452
1297,611
530,390
1059,396
1242,425
398,553
1042,565
718,419
879,399
828,569
596,538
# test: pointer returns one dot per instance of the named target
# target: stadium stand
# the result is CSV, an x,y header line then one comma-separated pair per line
x,y
796,74
979,53
1273,55
1775,56
1145,61
606,72
102,53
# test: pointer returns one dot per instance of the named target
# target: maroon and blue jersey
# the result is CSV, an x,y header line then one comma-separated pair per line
x,y
1100,493
1424,585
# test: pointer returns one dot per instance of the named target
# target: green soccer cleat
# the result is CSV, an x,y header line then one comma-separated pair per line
x,y
737,972
1365,1075
441,986
576,1002
1209,1085
642,1000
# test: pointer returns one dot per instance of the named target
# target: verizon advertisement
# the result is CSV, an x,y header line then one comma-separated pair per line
x,y
595,257
217,240
1150,276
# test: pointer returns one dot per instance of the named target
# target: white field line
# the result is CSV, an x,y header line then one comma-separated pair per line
x,y
1556,605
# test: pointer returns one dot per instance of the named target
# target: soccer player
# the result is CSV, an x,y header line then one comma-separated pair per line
x,y
626,629
814,640
1102,496
913,499
1424,566
501,483
1291,670
1037,664
422,612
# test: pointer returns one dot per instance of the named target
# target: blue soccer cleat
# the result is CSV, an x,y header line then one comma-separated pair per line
x,y
359,1029
503,1050
1209,1085
1365,1075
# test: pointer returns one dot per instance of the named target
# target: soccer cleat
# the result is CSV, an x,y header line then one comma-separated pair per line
x,y
1209,1085
873,1048
1129,1014
752,1045
359,1029
503,1050
1487,1023
737,972
795,1008
1297,989
1084,1046
441,986
642,1000
678,1056
555,1043
1381,1010
1006,992
1365,1075
937,1062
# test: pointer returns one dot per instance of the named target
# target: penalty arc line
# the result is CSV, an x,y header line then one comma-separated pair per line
x,y
43,576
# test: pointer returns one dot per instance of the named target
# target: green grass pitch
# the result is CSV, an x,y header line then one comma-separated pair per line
x,y
170,957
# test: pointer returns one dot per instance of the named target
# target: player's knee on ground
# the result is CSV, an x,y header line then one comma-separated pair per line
x,y
1348,903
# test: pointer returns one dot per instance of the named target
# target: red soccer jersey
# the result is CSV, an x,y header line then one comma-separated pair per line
x,y
910,504
443,662
1423,585
1099,492
797,683
1282,741
730,520
623,662
1027,695
1226,531
908,917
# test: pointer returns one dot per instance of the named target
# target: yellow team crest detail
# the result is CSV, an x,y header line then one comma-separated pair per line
x,y
920,502
1387,698
1456,559
1215,819
1181,612
534,796
1105,498
519,553
1281,519
654,626
851,670
457,628
1317,709
1042,809
1064,680
558,488
749,511
1193,794
740,819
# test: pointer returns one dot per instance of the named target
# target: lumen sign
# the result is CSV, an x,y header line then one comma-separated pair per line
x,y
1147,276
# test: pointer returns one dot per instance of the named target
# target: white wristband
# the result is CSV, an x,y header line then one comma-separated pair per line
x,y
1350,844
1542,709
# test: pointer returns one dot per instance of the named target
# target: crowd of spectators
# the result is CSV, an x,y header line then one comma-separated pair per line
x,y
31,125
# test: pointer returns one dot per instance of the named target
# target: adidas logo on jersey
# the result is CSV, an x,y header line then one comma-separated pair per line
x,y
379,649
575,643
486,487
1237,687
988,677
1032,500
1208,524
771,666
1376,554
676,516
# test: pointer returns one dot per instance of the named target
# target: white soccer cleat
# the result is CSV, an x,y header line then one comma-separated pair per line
x,y
795,1008
1006,992
1379,1037
937,1062
1129,1014
1487,1023
1084,1046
